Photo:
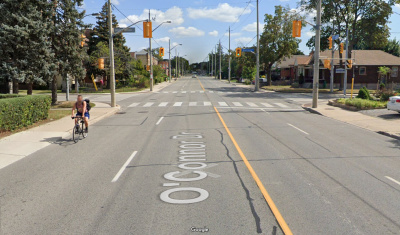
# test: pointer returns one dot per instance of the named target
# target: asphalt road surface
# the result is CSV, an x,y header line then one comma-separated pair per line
x,y
204,156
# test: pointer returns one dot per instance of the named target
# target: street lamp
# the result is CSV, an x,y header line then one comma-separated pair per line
x,y
170,58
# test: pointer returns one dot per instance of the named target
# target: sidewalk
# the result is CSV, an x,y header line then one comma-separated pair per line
x,y
389,128
22,144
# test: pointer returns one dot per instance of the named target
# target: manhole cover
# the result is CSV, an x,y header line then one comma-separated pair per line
x,y
143,112
120,112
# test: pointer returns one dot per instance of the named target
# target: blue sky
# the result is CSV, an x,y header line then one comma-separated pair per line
x,y
199,24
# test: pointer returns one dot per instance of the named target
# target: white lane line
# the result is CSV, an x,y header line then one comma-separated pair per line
x,y
201,91
211,92
267,105
222,104
133,105
237,104
170,184
251,104
207,103
159,121
183,92
298,129
123,167
174,92
163,104
281,105
192,103
148,104
178,104
390,178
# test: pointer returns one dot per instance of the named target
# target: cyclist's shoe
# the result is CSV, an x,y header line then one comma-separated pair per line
x,y
86,130
77,130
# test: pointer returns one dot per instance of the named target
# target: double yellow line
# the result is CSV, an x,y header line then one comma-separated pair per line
x,y
270,202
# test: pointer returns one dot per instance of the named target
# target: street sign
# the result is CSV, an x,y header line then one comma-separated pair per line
x,y
335,37
248,50
340,70
127,30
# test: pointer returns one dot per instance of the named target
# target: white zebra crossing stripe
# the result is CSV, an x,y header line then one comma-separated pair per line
x,y
192,103
183,92
133,105
201,91
267,105
222,104
165,92
192,92
163,104
207,103
211,92
148,104
251,104
178,104
281,105
237,104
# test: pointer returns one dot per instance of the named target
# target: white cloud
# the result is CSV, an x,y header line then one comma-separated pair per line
x,y
213,33
309,34
122,25
253,27
116,2
224,12
243,40
233,34
164,39
397,6
186,32
174,14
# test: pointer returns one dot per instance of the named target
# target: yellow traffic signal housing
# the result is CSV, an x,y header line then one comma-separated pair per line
x,y
327,64
83,37
330,43
100,63
147,30
148,67
341,48
296,29
161,51
238,52
349,64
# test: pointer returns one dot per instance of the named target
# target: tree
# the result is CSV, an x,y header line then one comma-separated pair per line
x,y
25,54
393,47
276,41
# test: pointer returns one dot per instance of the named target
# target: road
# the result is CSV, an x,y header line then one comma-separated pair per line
x,y
188,160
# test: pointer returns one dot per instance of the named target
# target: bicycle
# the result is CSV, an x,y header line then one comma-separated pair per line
x,y
79,130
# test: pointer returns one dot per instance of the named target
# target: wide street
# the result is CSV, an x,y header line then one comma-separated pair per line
x,y
202,155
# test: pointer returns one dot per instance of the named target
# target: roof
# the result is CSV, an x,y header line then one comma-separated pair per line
x,y
142,52
303,60
365,57
289,61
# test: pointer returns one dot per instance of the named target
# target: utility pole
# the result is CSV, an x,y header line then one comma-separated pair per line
x,y
345,63
258,51
332,61
229,55
215,62
176,65
151,60
316,56
212,63
220,59
111,45
169,63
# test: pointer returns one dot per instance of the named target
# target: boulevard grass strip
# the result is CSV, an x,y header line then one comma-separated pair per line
x,y
362,103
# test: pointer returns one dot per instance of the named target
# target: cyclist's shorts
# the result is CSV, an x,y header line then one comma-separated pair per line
x,y
78,114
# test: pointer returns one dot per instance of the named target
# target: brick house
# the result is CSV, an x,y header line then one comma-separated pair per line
x,y
144,57
291,67
165,65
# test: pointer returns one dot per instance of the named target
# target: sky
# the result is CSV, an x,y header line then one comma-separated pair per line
x,y
199,25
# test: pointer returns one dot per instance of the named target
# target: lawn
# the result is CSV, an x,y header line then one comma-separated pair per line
x,y
67,104
363,104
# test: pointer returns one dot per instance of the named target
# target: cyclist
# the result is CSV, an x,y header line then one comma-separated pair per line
x,y
81,107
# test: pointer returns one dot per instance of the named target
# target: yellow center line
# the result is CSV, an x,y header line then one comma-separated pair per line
x,y
201,84
270,202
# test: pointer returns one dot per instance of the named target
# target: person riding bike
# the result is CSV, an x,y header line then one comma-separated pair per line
x,y
82,111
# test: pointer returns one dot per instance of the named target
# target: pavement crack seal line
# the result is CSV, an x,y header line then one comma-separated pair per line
x,y
282,223
253,210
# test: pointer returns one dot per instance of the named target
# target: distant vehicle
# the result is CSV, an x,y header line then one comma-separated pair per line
x,y
394,103
262,80
194,76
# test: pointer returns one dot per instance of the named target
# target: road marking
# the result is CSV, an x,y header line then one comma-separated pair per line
x,y
298,129
133,105
123,167
183,92
159,121
251,104
281,105
211,92
201,84
222,104
390,178
267,105
201,91
170,184
192,103
174,92
237,104
192,91
271,204
207,103
163,104
178,104
165,92
148,104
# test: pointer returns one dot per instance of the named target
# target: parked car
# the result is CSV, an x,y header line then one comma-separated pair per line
x,y
194,76
394,103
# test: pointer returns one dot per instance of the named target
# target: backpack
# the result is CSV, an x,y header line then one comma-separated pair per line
x,y
88,107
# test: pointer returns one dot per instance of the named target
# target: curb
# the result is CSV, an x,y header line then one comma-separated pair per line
x,y
394,136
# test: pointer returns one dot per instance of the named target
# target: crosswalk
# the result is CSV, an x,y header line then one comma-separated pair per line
x,y
202,92
261,105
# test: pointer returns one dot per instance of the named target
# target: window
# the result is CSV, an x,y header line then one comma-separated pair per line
x,y
395,71
363,71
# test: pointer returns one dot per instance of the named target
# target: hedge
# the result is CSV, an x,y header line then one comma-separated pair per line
x,y
6,96
23,111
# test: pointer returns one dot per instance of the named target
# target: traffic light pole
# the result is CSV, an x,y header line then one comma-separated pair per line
x,y
169,61
316,56
151,60
229,55
220,59
332,61
111,45
256,83
345,63
215,62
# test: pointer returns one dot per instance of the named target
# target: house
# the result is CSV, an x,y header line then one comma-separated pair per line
x,y
291,67
144,57
165,65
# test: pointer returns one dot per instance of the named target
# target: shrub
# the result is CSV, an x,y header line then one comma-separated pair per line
x,y
363,103
6,96
363,93
23,111
295,85
382,86
385,94
247,82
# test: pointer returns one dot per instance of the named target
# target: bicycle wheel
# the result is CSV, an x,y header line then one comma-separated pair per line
x,y
76,134
84,133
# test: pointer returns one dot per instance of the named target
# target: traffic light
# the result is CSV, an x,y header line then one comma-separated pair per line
x,y
341,48
327,64
238,52
83,37
330,43
148,67
349,64
100,63
296,29
161,51
147,30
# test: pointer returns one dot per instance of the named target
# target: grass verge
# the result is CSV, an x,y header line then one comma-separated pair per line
x,y
68,104
363,104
